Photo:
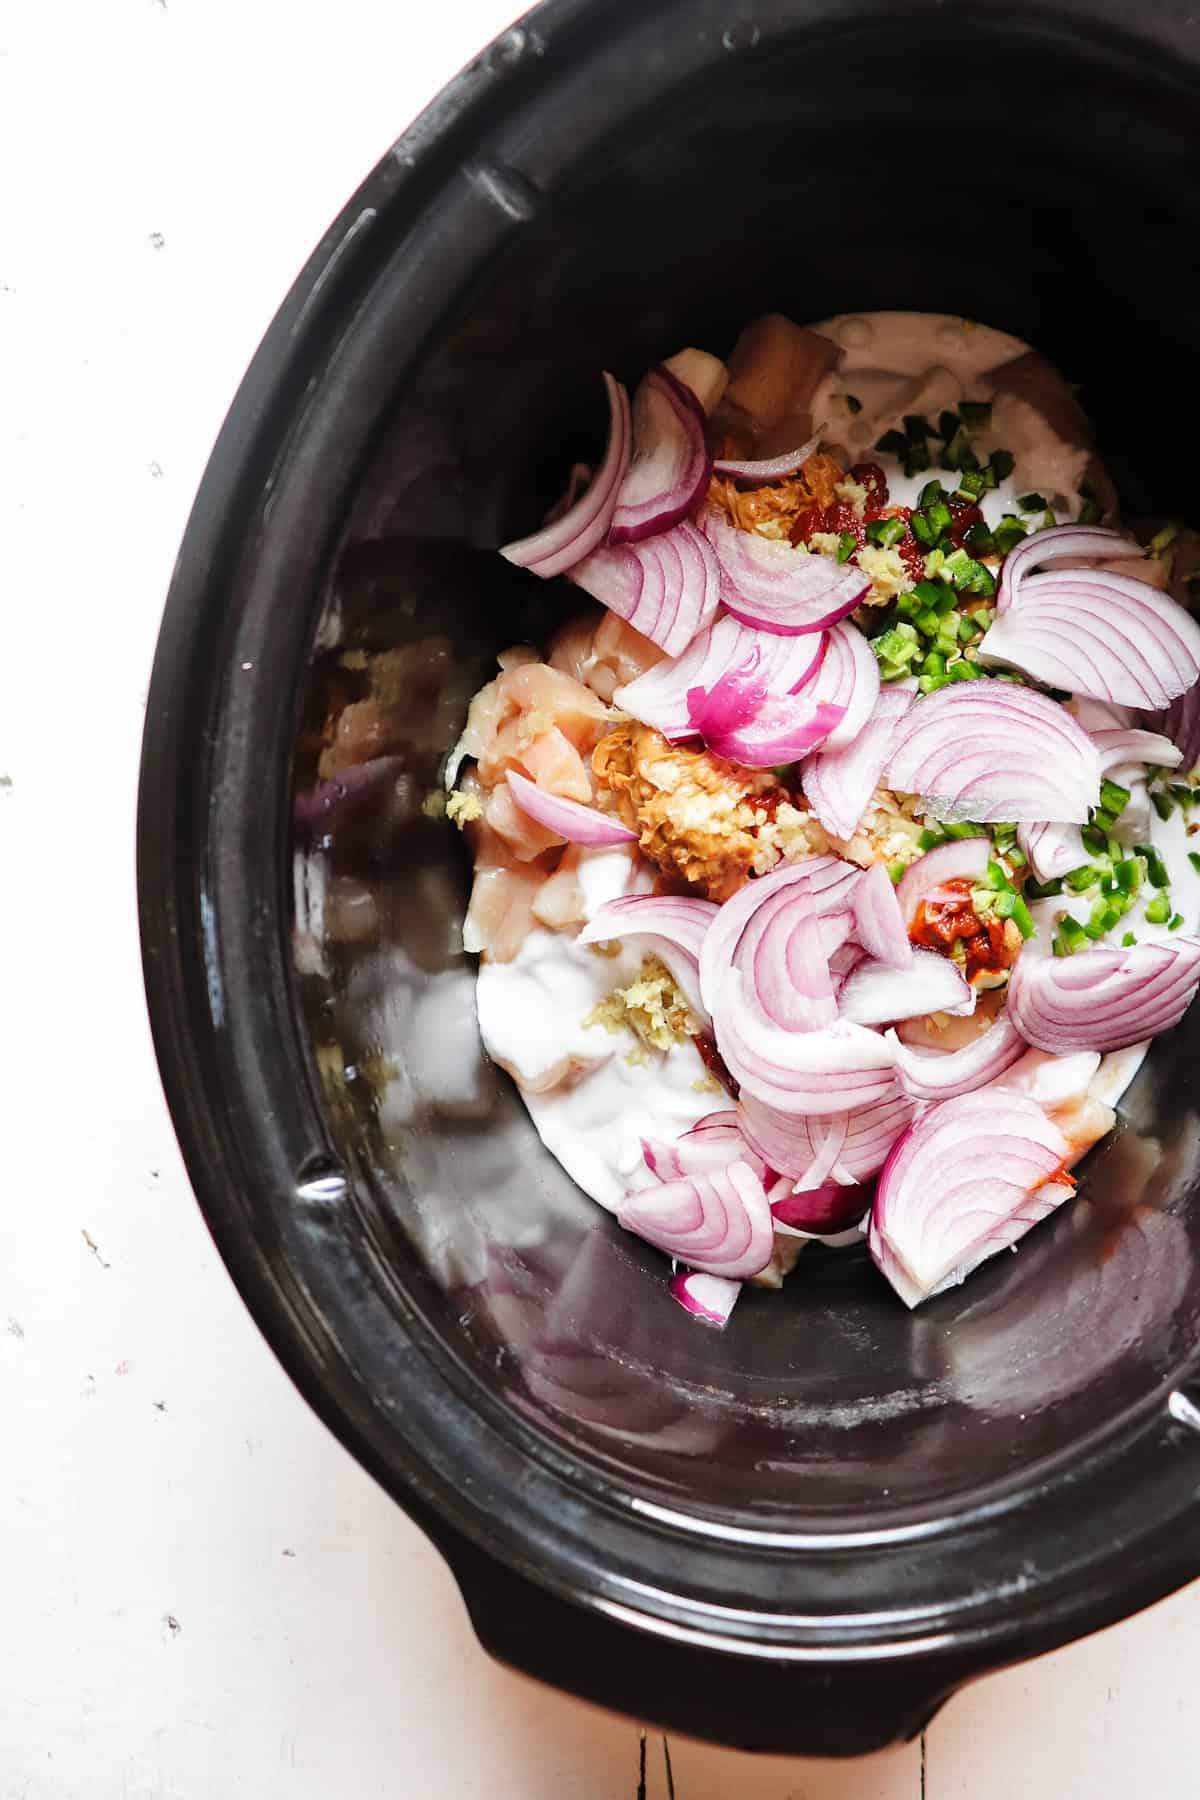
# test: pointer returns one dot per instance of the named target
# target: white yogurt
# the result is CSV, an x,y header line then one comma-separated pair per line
x,y
895,363
595,1105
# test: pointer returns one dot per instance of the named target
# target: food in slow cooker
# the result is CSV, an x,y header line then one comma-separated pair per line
x,y
832,875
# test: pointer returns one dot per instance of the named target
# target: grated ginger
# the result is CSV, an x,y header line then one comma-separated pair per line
x,y
701,819
462,807
651,1007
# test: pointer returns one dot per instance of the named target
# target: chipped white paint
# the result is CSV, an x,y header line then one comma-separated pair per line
x,y
204,1597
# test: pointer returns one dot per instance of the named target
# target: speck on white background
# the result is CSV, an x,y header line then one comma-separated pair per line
x,y
203,1596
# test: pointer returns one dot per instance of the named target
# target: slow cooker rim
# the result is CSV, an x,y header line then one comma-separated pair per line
x,y
246,452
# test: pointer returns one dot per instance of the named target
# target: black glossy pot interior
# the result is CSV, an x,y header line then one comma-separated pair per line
x,y
609,184
866,170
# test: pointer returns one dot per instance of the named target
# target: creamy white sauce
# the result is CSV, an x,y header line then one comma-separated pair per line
x,y
531,1014
1169,837
897,363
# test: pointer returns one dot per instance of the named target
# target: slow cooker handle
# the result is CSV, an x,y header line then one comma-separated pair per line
x,y
758,1703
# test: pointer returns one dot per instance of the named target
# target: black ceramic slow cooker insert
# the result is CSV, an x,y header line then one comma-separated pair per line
x,y
804,1533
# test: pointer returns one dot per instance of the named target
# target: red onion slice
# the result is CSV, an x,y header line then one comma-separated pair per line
x,y
944,1074
826,883
800,1145
879,924
1053,850
830,708
577,824
565,540
668,588
767,583
676,926
1052,546
1120,746
727,647
966,1180
1109,637
963,859
577,481
1101,998
718,1221
848,677
993,750
838,783
709,1298
823,1211
835,1069
331,802
1181,723
677,918
878,995
713,1143
671,466
779,731
774,468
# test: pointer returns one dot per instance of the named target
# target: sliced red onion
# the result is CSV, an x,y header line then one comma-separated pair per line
x,y
944,1074
994,750
1052,546
879,924
718,1221
1118,747
1181,723
678,918
876,994
565,540
718,712
727,647
775,468
817,1148
577,824
1106,636
780,731
1101,998
966,1180
1053,850
713,1143
848,677
826,884
709,1298
330,802
671,466
824,1210
677,926
768,583
835,1069
838,783
668,588
577,481
963,859
830,708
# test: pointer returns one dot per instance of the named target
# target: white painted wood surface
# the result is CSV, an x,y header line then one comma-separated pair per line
x,y
203,1595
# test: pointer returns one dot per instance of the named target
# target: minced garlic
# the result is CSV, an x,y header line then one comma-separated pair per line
x,y
788,837
826,543
888,832
887,570
651,1007
854,495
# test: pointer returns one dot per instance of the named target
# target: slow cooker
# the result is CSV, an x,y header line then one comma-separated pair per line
x,y
802,1534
